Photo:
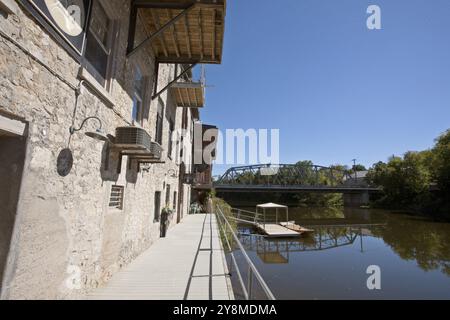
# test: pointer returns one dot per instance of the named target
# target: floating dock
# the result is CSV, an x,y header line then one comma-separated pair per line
x,y
277,231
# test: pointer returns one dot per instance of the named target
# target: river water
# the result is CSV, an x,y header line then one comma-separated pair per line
x,y
413,255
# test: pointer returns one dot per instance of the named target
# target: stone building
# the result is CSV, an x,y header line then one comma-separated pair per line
x,y
78,205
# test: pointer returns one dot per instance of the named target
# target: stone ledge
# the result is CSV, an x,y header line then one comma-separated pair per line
x,y
9,6
94,85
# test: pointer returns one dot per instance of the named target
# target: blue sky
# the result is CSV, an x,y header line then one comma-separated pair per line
x,y
335,89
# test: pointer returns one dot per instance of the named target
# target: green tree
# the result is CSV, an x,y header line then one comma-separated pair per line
x,y
405,181
441,162
359,167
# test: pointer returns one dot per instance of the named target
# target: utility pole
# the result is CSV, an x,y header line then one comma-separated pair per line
x,y
354,168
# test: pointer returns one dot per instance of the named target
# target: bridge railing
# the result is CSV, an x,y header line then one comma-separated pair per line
x,y
286,175
229,237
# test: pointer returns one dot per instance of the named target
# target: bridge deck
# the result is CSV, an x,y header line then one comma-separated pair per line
x,y
277,231
293,188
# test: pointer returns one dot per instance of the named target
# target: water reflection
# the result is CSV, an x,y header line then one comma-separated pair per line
x,y
278,250
414,254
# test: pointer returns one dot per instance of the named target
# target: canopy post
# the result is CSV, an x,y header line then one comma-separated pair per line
x,y
264,210
287,216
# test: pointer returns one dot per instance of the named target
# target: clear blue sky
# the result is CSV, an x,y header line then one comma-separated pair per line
x,y
335,89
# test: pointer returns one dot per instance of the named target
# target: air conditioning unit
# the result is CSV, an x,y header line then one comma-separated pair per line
x,y
156,149
133,138
136,142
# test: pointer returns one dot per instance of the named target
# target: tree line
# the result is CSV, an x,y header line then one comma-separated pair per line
x,y
417,181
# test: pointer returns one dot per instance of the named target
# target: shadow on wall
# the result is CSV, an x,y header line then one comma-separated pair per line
x,y
111,165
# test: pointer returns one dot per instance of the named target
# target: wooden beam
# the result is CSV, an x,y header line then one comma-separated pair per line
x,y
200,25
158,26
188,98
213,53
147,32
188,36
178,5
174,34
197,102
187,60
162,29
180,96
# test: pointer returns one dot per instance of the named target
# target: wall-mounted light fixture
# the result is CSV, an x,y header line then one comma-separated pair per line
x,y
98,134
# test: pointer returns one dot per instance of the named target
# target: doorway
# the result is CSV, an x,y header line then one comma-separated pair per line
x,y
12,159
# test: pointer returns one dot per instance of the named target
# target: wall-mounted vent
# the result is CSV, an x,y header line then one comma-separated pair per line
x,y
116,197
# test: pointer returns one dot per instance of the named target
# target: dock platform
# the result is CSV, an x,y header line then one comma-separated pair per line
x,y
189,264
276,230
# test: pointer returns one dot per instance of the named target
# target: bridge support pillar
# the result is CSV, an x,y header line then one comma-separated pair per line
x,y
356,199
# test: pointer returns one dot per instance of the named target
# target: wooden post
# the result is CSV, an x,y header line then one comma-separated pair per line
x,y
287,216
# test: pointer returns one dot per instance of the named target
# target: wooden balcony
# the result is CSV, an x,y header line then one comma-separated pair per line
x,y
181,31
189,94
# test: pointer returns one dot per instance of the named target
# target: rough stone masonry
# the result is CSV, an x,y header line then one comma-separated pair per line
x,y
65,239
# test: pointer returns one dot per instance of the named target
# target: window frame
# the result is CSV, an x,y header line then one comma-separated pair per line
x,y
170,140
113,33
174,205
157,208
140,97
168,194
159,125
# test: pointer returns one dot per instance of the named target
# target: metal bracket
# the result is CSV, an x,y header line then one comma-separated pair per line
x,y
133,21
156,93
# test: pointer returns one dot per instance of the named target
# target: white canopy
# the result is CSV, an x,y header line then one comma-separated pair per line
x,y
270,206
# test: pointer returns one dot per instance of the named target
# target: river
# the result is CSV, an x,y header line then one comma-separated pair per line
x,y
413,255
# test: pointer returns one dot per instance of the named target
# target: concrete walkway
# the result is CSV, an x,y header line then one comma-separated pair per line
x,y
188,264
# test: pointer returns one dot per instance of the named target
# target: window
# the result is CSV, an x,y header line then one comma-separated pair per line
x,y
138,96
174,200
116,197
157,206
159,122
168,195
184,121
99,44
170,142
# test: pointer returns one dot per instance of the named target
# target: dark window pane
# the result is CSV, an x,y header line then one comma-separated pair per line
x,y
99,23
168,195
96,56
157,205
137,109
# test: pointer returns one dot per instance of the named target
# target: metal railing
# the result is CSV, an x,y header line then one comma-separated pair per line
x,y
254,218
247,288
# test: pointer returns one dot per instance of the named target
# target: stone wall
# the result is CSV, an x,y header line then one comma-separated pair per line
x,y
66,239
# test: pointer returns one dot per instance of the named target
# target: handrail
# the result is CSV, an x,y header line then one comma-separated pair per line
x,y
225,226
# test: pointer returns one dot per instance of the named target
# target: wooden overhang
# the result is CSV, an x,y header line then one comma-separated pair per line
x,y
180,31
189,94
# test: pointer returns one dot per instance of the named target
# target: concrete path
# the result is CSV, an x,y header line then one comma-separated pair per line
x,y
188,264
